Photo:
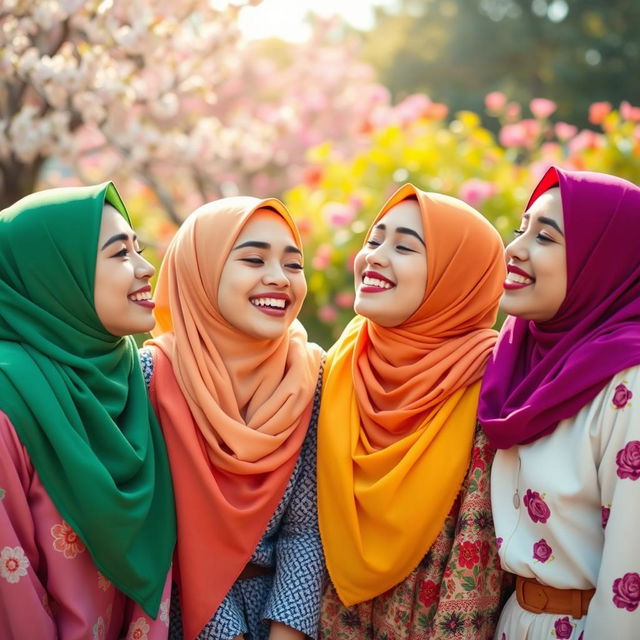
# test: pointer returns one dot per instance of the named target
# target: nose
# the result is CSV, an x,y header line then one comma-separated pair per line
x,y
517,249
275,275
377,255
143,269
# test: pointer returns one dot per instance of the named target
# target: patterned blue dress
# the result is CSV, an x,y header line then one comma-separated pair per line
x,y
290,545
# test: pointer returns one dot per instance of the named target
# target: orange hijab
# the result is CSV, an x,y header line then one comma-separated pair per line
x,y
234,409
399,404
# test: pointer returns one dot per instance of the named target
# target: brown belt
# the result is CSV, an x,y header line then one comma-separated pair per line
x,y
254,570
539,598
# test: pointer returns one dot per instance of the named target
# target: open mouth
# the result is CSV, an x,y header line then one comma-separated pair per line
x,y
142,297
273,305
373,282
517,278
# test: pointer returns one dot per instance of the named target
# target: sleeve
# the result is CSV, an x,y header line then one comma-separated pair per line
x,y
300,570
227,622
616,602
21,589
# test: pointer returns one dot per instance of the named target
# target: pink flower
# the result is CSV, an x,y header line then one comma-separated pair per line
x,y
321,258
626,591
586,139
476,191
565,131
605,512
536,506
598,111
327,314
495,101
13,564
512,111
138,630
563,628
621,396
338,214
499,542
344,299
629,112
628,461
541,550
513,135
542,108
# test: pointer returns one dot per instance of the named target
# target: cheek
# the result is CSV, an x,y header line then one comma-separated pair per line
x,y
359,263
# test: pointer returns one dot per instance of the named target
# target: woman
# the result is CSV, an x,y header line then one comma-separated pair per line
x,y
402,479
234,383
559,401
87,524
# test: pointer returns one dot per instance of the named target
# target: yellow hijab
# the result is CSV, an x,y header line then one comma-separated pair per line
x,y
399,407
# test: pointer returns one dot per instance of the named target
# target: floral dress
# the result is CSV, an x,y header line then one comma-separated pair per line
x,y
50,588
567,512
454,592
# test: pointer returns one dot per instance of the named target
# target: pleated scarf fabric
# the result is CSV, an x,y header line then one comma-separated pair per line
x,y
545,372
75,393
399,406
234,409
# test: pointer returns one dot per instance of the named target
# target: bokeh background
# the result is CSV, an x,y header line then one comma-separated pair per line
x,y
328,105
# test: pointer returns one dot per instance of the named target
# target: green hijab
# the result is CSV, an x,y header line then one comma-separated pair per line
x,y
75,394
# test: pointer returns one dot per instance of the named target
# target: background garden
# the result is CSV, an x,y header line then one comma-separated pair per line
x,y
474,98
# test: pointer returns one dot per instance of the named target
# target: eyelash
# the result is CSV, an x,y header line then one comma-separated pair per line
x,y
123,253
373,243
260,261
518,232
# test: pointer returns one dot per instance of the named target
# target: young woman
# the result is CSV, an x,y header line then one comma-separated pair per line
x,y
559,400
402,471
87,523
234,382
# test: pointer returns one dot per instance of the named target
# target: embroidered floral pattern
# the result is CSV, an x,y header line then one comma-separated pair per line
x,y
103,583
605,511
628,461
499,542
536,506
66,541
454,592
621,397
99,630
563,628
13,564
138,630
541,550
626,591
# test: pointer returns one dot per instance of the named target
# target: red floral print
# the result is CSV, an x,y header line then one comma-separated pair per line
x,y
468,555
428,593
626,591
541,550
536,506
621,396
563,628
628,461
605,511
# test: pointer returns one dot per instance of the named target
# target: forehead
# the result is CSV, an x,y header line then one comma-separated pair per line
x,y
549,205
112,222
404,214
267,226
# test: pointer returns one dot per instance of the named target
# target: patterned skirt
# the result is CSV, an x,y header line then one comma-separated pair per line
x,y
456,590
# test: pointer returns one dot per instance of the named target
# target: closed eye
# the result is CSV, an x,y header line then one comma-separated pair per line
x,y
253,260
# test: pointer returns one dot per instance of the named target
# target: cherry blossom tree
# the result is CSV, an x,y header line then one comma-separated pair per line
x,y
168,94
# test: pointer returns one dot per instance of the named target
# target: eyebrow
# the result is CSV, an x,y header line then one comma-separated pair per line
x,y
117,238
405,230
548,221
265,245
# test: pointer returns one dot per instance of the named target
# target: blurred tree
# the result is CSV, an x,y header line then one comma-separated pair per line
x,y
573,51
169,95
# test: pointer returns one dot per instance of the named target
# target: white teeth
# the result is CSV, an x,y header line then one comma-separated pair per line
x,y
374,282
140,296
516,277
278,303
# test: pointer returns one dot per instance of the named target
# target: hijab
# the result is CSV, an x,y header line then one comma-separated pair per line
x,y
399,406
75,393
545,372
234,408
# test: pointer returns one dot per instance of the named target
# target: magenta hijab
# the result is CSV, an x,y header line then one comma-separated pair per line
x,y
542,373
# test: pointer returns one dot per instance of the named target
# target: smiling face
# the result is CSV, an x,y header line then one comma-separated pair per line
x,y
122,294
536,283
391,268
262,285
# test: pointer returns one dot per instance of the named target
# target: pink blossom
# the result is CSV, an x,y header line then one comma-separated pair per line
x,y
542,108
322,257
475,191
513,135
327,314
495,101
629,112
564,131
586,139
344,299
512,111
338,214
598,111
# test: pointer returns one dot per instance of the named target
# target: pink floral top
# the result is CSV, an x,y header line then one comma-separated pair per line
x,y
49,587
567,512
